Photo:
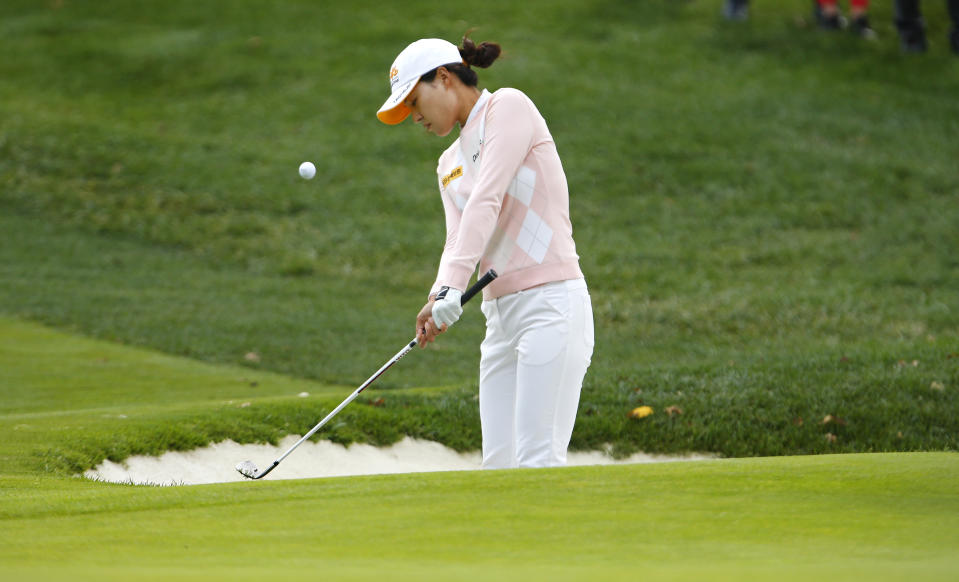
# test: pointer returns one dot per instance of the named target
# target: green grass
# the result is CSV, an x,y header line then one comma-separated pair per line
x,y
766,215
71,402
885,517
120,401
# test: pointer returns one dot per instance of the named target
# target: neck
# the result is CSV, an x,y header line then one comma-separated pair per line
x,y
468,97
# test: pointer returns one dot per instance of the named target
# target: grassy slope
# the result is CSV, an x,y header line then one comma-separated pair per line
x,y
760,246
70,402
119,401
44,370
737,190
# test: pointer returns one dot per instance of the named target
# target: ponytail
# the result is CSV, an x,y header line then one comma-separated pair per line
x,y
474,55
480,56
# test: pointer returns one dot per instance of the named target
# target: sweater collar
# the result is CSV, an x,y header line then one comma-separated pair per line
x,y
480,103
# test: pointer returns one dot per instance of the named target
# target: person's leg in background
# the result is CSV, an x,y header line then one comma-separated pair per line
x,y
909,23
736,9
859,19
954,33
827,14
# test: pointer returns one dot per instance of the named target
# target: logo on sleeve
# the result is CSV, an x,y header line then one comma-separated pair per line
x,y
456,173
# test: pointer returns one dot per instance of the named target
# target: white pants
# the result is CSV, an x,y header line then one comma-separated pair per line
x,y
538,345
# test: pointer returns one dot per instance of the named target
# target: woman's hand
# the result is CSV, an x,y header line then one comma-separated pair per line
x,y
426,328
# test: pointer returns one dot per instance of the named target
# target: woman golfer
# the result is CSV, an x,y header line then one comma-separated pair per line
x,y
507,208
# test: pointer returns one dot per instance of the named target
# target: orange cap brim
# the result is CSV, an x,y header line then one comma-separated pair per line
x,y
395,115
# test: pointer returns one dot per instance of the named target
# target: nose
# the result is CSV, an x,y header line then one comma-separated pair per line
x,y
417,116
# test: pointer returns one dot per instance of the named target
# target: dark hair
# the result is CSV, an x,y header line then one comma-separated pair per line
x,y
481,56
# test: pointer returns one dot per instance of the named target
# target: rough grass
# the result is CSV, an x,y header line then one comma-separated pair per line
x,y
72,402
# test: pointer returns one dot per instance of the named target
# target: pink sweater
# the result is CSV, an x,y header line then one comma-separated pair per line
x,y
506,200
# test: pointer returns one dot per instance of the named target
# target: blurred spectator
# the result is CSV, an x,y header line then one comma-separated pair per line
x,y
736,9
829,17
909,21
912,27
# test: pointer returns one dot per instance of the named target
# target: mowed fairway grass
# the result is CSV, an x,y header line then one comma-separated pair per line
x,y
876,517
767,216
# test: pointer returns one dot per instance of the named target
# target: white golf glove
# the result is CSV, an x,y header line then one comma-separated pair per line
x,y
447,309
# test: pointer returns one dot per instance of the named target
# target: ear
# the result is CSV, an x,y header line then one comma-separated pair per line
x,y
445,76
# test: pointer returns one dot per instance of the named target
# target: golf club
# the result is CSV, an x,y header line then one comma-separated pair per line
x,y
249,470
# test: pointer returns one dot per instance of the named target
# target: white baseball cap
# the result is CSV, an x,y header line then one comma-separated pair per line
x,y
416,60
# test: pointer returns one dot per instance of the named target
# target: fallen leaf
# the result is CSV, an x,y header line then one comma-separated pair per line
x,y
937,386
830,419
641,412
671,410
831,438
798,421
378,402
252,357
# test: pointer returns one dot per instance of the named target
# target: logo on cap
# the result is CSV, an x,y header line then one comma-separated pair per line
x,y
394,73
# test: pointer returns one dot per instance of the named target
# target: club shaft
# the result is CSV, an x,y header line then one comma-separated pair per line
x,y
399,355
485,280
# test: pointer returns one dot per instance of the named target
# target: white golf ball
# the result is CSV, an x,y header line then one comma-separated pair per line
x,y
307,170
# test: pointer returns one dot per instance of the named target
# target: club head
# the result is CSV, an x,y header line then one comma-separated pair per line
x,y
247,469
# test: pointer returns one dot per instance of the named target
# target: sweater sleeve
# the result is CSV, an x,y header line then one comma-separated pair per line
x,y
508,139
452,229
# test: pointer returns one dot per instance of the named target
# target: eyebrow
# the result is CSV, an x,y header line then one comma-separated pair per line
x,y
410,98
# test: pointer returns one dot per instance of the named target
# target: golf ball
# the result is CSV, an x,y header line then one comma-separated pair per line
x,y
307,170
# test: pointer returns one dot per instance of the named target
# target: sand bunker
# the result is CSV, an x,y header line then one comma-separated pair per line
x,y
215,463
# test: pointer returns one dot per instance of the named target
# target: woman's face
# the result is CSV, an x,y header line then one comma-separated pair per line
x,y
434,104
